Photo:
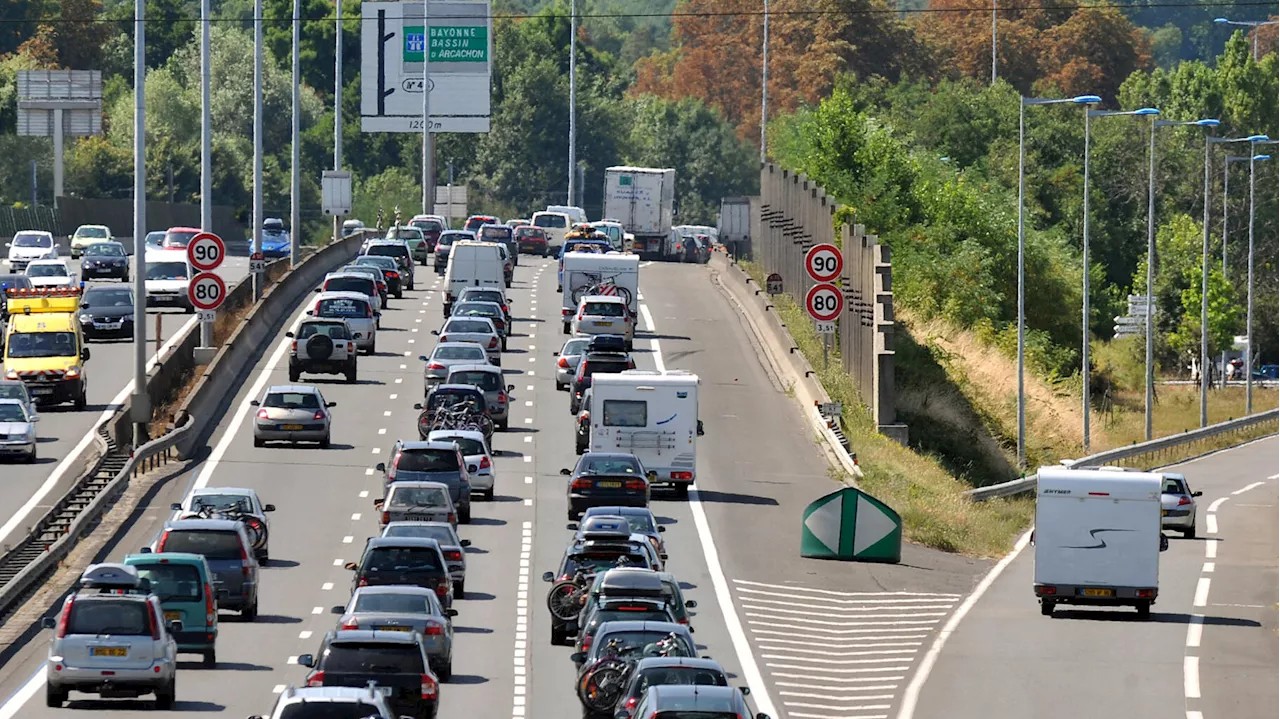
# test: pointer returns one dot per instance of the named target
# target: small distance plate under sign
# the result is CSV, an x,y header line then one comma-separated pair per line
x,y
824,328
830,409
206,315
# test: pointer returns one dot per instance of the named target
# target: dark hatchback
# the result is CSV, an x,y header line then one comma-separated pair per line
x,y
665,671
104,259
606,478
430,233
415,561
592,362
619,610
395,661
444,245
592,558
444,396
106,312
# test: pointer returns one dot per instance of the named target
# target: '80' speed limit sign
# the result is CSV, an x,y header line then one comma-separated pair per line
x,y
824,302
206,291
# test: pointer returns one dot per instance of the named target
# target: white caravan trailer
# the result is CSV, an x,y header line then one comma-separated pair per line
x,y
653,415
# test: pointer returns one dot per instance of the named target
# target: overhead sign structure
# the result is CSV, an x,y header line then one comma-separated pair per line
x,y
206,251
823,262
824,302
457,46
206,291
850,524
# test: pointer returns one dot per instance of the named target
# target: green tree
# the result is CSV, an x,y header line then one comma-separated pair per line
x,y
1224,314
394,187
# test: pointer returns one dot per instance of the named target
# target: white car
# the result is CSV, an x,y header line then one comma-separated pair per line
x,y
18,431
168,277
30,245
357,309
49,273
475,453
231,503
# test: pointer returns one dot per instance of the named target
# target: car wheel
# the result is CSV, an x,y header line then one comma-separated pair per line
x,y
558,635
210,659
31,458
294,374
411,285
630,346
504,345
351,372
1144,609
53,697
259,442
167,696
459,589
682,491
324,443
564,328
373,346
579,449
488,495
1189,533
561,386
400,295
464,516
250,613
445,672
503,424
82,401
1046,607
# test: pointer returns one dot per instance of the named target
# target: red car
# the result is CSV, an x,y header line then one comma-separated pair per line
x,y
475,222
177,238
431,230
531,239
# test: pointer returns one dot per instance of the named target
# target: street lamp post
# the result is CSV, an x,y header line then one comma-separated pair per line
x,y
1255,24
1204,266
1248,312
1151,242
764,86
1022,305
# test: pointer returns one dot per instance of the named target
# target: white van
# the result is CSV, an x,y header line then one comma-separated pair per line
x,y
555,224
576,214
586,270
168,277
653,415
472,264
1097,538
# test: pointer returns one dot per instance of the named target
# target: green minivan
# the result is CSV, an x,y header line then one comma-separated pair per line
x,y
184,585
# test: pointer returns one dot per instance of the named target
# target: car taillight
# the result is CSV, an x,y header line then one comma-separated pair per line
x,y
393,274
210,608
434,630
363,582
566,313
244,563
581,483
66,616
152,623
294,346
684,620
453,554
319,415
443,587
502,398
386,518
682,475
316,679
1183,501
429,687
631,703
485,463
444,338
493,343
351,347
564,363
586,643
626,319
634,484
349,624
435,365
505,310
581,312
262,414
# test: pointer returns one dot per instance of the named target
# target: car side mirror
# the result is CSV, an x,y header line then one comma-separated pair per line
x,y
700,430
745,690
510,387
350,566
1197,494
566,472
762,715
309,313
548,577
331,404
381,467
435,332
176,506
144,550
316,289
84,354
255,403
653,477
451,612
337,609
84,305
578,657
377,314
661,529
307,660
268,507
47,622
378,502
555,354
465,543
288,334
571,526
257,716
691,604
621,714
35,418
1164,543
422,358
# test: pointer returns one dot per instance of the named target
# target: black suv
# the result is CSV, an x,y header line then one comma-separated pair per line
x,y
592,362
394,660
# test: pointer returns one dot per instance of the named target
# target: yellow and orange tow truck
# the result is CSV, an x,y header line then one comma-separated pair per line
x,y
43,345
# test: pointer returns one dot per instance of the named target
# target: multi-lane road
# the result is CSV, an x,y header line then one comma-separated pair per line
x,y
28,489
813,639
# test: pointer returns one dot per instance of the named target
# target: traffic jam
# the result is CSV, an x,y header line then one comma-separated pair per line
x,y
390,652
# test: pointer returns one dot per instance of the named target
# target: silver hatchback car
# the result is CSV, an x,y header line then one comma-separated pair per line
x,y
1178,505
405,608
569,356
449,354
604,315
488,379
114,643
292,413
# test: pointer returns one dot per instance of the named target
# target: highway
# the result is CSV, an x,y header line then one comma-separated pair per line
x,y
1209,651
28,489
812,638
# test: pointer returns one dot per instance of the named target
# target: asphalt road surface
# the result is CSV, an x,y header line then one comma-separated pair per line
x,y
29,489
813,639
1208,651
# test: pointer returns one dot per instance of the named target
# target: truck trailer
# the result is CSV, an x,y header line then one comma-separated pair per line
x,y
643,200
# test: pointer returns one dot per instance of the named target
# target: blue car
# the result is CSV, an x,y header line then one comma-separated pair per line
x,y
276,241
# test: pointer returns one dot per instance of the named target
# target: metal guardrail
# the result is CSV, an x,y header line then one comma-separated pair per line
x,y
153,454
1156,447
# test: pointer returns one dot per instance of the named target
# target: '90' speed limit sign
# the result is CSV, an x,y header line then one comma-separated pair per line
x,y
206,251
823,262
206,291
824,302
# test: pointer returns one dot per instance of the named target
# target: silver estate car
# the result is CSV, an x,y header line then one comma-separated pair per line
x,y
417,501
479,330
292,413
1178,505
113,642
18,430
453,548
488,379
357,309
446,355
405,608
365,702
569,356
604,315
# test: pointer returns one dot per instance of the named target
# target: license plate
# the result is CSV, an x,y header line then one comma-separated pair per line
x,y
1096,592
386,628
172,616
109,651
41,390
1165,513
290,427
609,485
109,326
604,324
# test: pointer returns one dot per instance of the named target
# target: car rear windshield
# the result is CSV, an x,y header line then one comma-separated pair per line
x,y
104,249
605,366
292,400
468,327
178,238
401,559
692,714
385,263
597,562
388,251
372,658
427,460
329,329
363,285
448,238
550,221
605,309
172,582
14,282
126,618
486,381
481,296
527,231
393,603
469,447
1174,486
329,710
498,234
402,496
428,225
404,233
471,402
422,530
696,676
342,307
633,643
623,615
212,543
166,270
476,308
53,270
470,352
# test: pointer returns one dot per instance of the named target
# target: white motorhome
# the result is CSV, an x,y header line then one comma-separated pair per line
x,y
576,214
1097,538
472,264
653,415
583,270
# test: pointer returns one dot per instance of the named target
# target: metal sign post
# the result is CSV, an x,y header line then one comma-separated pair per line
x,y
57,103
140,401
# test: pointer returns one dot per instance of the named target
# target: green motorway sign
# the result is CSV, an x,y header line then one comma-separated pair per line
x,y
850,524
449,43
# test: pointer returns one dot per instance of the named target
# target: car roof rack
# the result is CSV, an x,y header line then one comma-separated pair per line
x,y
110,577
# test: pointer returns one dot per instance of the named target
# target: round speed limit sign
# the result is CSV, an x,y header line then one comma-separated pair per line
x,y
824,302
205,252
206,291
823,262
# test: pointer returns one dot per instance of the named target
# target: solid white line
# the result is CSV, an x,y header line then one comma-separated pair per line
x,y
793,588
1191,677
24,694
911,696
1246,488
658,362
64,466
1195,629
1202,592
1213,507
1211,523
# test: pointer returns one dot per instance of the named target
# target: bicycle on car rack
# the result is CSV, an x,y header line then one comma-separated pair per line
x,y
566,597
460,416
602,683
601,285
253,525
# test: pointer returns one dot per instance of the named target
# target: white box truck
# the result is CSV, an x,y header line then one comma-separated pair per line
x,y
1097,538
735,224
620,274
643,200
472,264
653,415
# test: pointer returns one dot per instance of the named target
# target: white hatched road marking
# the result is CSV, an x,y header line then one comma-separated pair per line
x,y
830,631
860,624
792,588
